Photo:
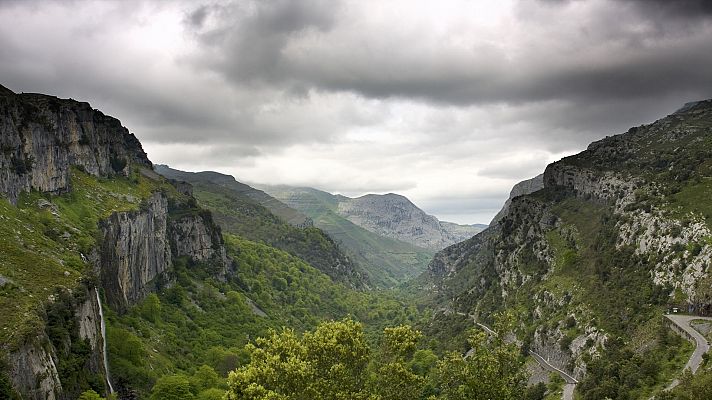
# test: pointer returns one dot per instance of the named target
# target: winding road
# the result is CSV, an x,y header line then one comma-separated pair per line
x,y
570,380
702,345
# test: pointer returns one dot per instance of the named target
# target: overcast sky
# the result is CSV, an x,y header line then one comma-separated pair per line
x,y
447,102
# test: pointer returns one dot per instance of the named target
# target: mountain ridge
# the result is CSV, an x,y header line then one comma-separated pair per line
x,y
588,263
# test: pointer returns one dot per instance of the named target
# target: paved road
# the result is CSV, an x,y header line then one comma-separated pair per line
x,y
568,391
702,346
570,380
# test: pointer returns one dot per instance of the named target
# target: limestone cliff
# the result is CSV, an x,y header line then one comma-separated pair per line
x,y
41,137
134,251
520,189
196,236
392,215
615,234
36,364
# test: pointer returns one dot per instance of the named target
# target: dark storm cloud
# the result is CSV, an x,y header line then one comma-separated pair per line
x,y
282,43
249,36
684,9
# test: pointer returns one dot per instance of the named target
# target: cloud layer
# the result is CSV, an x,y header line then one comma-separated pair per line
x,y
449,103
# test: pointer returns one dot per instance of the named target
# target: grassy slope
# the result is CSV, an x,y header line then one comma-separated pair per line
x,y
42,240
244,217
388,262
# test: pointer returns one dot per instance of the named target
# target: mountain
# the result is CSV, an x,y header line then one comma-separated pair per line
x,y
252,214
84,215
524,187
387,261
396,217
275,206
588,264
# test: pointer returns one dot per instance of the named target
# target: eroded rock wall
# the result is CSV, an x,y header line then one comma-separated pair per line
x,y
42,137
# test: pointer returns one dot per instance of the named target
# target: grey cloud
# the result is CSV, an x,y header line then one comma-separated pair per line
x,y
283,44
250,36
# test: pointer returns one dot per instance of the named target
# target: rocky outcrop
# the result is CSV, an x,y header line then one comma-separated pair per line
x,y
134,252
138,247
34,366
198,237
33,370
520,189
42,137
629,204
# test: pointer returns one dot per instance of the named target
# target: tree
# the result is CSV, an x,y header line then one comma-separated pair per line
x,y
492,370
327,363
90,395
394,380
151,309
172,387
204,378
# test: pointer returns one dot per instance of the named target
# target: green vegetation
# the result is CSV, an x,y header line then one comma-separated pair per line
x,y
693,199
202,321
625,374
242,216
335,362
388,262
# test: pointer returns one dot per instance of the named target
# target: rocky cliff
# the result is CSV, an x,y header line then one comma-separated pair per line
x,y
616,233
144,224
520,189
39,365
41,137
135,250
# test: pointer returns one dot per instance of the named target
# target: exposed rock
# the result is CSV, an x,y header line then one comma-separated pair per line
x,y
134,251
33,370
392,215
520,189
89,322
42,137
196,236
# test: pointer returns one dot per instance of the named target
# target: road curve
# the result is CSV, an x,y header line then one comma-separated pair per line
x,y
571,382
545,364
702,346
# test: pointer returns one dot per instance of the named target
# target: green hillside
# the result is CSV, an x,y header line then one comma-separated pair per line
x,y
235,209
201,321
388,262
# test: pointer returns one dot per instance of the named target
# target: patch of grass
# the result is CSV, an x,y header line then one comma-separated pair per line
x,y
693,198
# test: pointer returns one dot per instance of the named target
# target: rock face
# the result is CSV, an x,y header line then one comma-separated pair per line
x,y
41,137
34,365
198,237
631,205
138,247
134,251
33,371
395,216
520,189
